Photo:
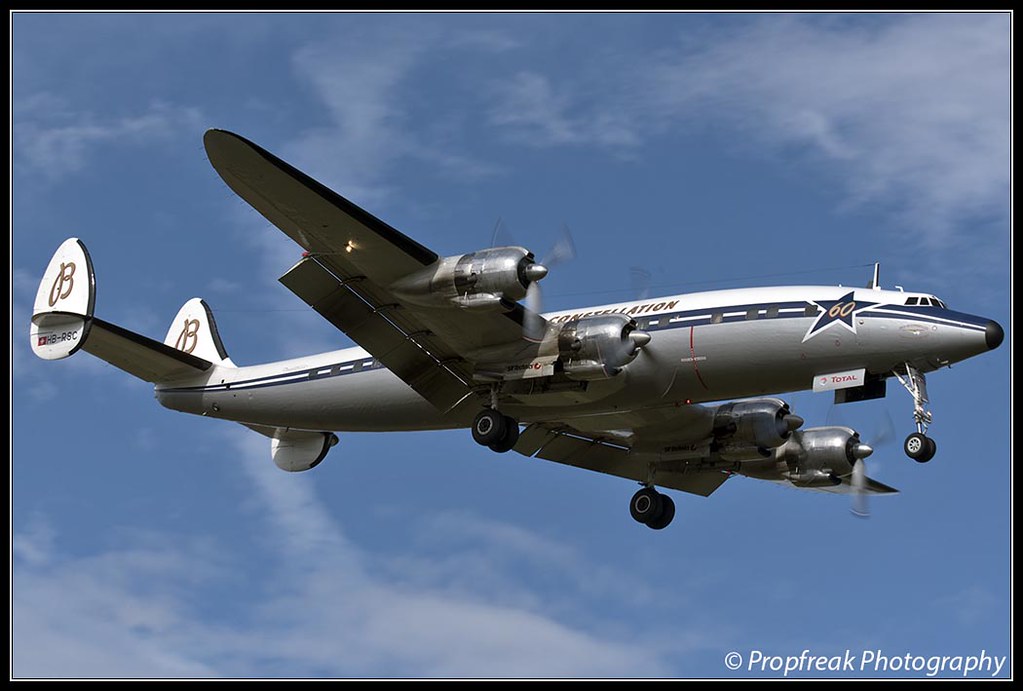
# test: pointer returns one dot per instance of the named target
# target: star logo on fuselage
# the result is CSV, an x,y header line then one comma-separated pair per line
x,y
841,311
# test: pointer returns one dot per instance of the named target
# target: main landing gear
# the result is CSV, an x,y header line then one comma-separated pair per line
x,y
494,430
652,509
918,445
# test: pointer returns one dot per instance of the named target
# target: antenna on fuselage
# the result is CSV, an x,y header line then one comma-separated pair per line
x,y
875,281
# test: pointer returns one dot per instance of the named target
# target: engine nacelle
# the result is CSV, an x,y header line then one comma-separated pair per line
x,y
295,451
818,456
761,424
599,347
489,279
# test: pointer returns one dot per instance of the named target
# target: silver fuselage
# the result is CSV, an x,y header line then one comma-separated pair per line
x,y
704,347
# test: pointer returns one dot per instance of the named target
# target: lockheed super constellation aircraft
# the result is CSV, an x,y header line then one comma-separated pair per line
x,y
446,343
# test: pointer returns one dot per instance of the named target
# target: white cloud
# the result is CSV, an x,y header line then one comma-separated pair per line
x,y
535,112
53,140
909,112
912,112
320,604
365,85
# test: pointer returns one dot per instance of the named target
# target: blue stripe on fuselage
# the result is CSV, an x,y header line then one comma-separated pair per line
x,y
726,314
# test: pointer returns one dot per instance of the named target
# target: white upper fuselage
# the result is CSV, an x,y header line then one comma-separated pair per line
x,y
705,346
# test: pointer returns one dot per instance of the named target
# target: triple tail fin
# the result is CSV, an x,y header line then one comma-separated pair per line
x,y
194,331
63,323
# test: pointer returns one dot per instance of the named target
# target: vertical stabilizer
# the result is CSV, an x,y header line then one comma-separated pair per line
x,y
194,332
62,313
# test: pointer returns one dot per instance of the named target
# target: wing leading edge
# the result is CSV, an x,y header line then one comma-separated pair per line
x,y
352,260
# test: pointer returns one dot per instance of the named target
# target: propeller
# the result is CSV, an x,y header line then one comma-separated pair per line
x,y
859,480
639,281
884,432
562,251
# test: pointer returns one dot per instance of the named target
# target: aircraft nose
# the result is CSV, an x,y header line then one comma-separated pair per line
x,y
993,334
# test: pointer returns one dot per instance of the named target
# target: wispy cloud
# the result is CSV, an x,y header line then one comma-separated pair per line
x,y
324,606
53,140
367,85
910,113
906,112
535,112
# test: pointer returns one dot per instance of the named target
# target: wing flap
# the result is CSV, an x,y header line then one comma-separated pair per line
x,y
871,486
570,448
340,304
143,357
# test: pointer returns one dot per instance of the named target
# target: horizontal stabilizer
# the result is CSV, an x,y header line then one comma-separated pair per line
x,y
63,323
138,355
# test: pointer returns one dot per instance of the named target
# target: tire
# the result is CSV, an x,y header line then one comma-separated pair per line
x,y
511,435
919,447
930,449
489,427
667,514
647,505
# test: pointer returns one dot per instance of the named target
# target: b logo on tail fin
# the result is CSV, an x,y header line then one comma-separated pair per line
x,y
65,275
189,336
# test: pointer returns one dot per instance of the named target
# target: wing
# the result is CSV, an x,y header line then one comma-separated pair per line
x,y
625,449
352,260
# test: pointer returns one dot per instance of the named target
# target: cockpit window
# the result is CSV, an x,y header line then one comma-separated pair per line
x,y
912,301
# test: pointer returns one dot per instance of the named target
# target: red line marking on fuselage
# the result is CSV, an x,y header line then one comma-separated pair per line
x,y
692,354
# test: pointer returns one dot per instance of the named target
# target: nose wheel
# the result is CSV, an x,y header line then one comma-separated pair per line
x,y
652,509
918,445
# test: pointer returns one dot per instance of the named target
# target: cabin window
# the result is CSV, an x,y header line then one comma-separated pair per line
x,y
751,313
716,318
772,311
810,311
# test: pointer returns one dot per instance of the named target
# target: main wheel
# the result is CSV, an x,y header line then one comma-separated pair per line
x,y
667,514
919,447
489,427
647,505
511,435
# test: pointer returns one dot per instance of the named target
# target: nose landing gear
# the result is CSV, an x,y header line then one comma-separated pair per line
x,y
918,445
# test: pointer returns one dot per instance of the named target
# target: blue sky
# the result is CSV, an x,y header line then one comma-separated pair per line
x,y
710,150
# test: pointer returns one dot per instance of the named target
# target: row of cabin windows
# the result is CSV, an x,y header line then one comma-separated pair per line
x,y
756,313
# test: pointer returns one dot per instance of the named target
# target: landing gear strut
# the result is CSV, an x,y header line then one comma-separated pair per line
x,y
652,509
495,431
918,445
